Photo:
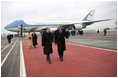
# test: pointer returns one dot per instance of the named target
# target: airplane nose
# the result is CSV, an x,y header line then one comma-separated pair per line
x,y
5,27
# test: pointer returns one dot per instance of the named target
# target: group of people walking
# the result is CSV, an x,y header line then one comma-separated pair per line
x,y
58,38
32,39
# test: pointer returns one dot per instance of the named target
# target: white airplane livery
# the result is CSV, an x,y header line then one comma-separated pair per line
x,y
88,20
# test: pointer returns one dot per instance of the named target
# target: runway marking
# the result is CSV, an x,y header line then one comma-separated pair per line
x,y
6,47
8,54
22,63
93,47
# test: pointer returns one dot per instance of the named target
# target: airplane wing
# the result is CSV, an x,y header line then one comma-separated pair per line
x,y
84,24
91,22
32,29
67,26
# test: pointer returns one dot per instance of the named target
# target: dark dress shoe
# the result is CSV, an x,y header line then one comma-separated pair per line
x,y
61,58
49,62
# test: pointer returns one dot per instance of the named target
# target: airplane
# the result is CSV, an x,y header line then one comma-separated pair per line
x,y
14,26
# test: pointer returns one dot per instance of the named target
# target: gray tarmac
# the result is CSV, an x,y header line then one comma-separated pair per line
x,y
91,38
11,66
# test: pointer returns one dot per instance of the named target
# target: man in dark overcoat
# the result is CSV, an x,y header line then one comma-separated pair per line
x,y
60,36
105,32
47,40
34,39
68,33
9,37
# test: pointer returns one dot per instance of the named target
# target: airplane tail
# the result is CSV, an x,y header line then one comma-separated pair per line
x,y
89,16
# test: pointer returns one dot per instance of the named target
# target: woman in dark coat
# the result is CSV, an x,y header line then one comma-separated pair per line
x,y
34,39
60,36
47,39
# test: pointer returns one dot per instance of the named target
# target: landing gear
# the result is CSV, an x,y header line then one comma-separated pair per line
x,y
80,32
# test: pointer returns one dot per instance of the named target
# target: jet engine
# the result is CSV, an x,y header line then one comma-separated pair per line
x,y
78,26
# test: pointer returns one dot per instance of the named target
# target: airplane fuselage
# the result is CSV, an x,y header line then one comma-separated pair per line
x,y
38,28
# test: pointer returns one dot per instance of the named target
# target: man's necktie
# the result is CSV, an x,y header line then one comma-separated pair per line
x,y
60,31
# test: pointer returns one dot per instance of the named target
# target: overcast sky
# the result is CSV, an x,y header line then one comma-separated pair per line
x,y
57,10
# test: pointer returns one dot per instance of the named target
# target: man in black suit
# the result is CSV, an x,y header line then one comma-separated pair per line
x,y
68,33
60,36
105,32
47,40
9,37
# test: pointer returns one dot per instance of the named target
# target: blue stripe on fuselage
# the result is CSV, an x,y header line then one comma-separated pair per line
x,y
19,22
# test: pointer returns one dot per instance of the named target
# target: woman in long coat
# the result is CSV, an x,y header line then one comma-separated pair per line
x,y
29,38
34,39
47,39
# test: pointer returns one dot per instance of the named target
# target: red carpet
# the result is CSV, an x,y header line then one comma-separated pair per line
x,y
79,61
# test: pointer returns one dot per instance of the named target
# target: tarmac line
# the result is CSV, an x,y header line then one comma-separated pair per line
x,y
6,47
22,64
88,46
94,47
8,54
